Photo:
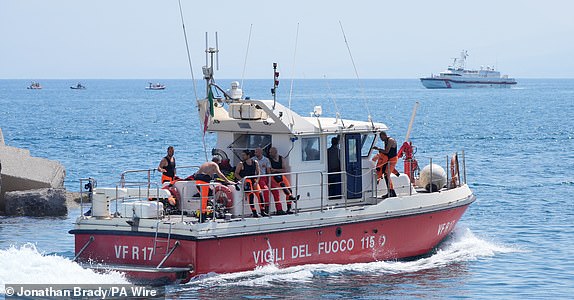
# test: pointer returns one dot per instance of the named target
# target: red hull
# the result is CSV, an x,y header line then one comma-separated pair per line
x,y
382,239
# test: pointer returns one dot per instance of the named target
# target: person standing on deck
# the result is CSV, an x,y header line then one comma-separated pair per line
x,y
390,151
334,166
167,166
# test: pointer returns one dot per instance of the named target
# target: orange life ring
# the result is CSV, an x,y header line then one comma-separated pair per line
x,y
454,171
223,195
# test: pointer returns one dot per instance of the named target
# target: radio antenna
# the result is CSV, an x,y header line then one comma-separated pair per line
x,y
293,69
216,52
413,114
357,74
206,47
187,49
246,53
332,96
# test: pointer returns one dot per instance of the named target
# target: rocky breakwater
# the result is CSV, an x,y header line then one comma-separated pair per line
x,y
30,186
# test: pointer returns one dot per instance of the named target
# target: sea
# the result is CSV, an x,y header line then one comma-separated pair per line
x,y
515,242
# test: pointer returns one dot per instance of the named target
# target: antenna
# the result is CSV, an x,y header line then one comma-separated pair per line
x,y
337,113
187,49
206,47
209,62
411,121
357,74
293,69
246,53
216,52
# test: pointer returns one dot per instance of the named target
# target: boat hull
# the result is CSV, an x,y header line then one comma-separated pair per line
x,y
447,83
353,242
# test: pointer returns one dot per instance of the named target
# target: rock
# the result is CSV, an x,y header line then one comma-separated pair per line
x,y
36,203
73,200
20,171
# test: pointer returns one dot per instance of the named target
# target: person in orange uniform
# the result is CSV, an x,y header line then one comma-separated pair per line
x,y
250,167
202,178
264,165
387,160
278,165
167,166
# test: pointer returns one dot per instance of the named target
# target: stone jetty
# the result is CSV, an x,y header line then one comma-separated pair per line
x,y
32,183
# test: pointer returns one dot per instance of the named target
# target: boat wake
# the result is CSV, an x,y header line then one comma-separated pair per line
x,y
460,247
26,265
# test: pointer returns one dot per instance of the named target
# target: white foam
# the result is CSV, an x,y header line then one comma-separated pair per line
x,y
462,245
25,265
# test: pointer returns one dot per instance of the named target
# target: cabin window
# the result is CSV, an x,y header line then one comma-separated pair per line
x,y
352,150
367,144
251,141
311,149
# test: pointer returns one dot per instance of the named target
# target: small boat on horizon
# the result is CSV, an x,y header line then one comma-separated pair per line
x,y
34,86
78,86
155,86
457,77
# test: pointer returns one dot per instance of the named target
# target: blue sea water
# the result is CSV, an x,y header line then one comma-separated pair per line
x,y
515,241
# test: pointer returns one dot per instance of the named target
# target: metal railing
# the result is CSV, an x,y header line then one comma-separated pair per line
x,y
143,194
319,182
148,172
304,181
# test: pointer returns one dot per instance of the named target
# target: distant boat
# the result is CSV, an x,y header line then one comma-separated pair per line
x,y
457,77
34,86
78,86
155,86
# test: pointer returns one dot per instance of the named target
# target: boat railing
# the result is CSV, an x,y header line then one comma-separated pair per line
x,y
147,172
313,185
143,193
314,180
295,188
144,188
455,169
306,183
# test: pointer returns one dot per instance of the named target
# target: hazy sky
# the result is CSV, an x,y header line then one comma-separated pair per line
x,y
388,39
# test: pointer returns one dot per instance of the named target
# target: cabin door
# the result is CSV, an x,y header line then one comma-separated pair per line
x,y
353,166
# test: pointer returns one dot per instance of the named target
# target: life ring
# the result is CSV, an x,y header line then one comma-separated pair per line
x,y
454,171
175,197
223,195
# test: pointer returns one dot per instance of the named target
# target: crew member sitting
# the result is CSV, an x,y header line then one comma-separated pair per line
x,y
278,165
246,168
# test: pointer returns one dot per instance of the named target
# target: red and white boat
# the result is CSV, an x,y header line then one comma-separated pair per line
x,y
129,230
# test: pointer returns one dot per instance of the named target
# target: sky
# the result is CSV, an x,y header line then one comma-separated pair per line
x,y
143,39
